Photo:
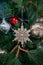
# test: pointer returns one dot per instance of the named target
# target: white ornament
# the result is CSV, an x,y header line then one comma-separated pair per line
x,y
2,51
39,19
22,35
37,29
4,26
35,26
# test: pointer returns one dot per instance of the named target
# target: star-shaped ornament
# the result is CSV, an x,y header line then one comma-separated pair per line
x,y
22,35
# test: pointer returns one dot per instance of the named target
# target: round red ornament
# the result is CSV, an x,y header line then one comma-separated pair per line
x,y
14,20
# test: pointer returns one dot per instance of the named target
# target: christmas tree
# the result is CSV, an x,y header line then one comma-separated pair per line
x,y
21,32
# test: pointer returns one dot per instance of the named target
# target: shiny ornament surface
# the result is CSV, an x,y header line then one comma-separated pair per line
x,y
14,20
37,29
4,26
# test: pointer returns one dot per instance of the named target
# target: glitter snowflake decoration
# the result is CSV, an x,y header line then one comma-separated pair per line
x,y
22,35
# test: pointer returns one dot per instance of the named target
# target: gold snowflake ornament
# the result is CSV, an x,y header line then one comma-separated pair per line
x,y
22,35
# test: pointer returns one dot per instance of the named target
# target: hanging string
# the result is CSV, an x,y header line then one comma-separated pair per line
x,y
37,9
22,11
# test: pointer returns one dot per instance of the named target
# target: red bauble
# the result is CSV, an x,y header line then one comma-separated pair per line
x,y
14,20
